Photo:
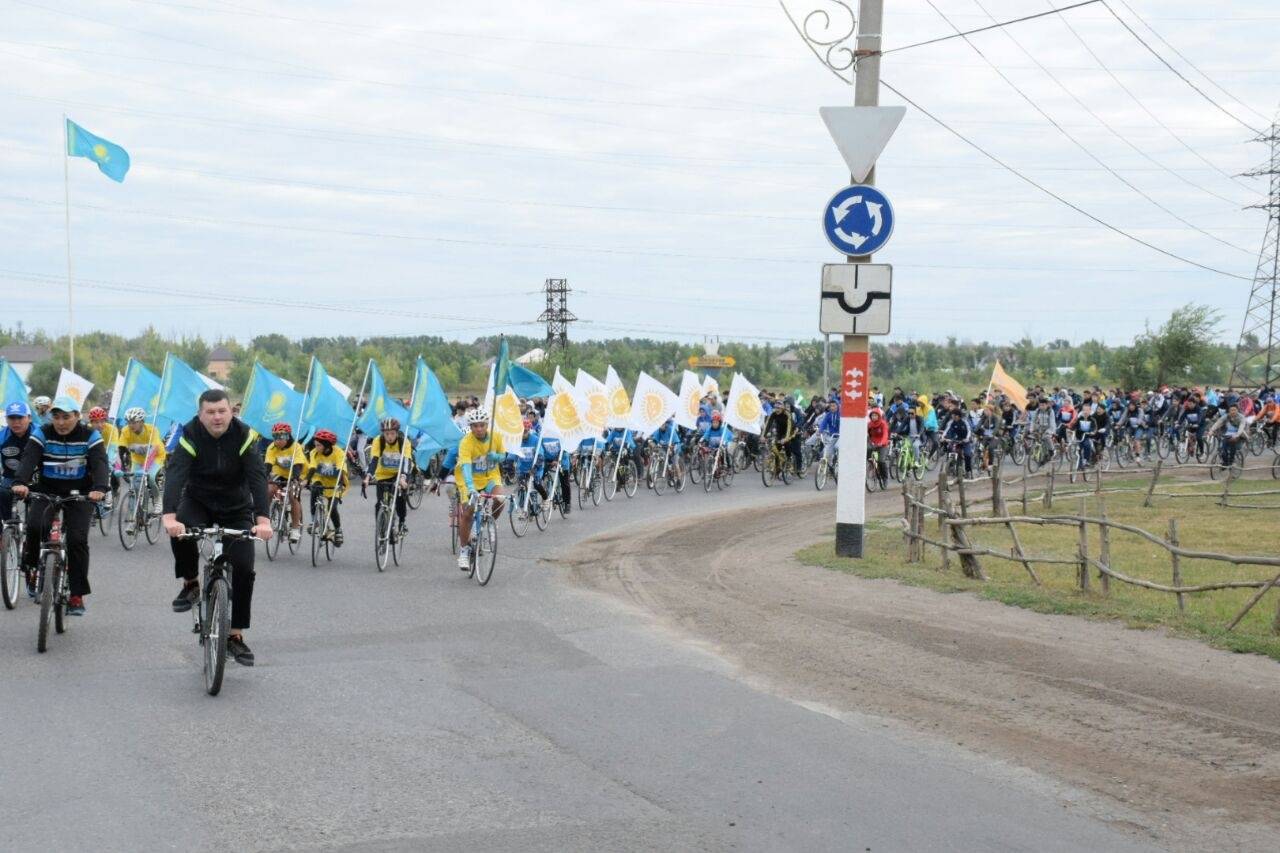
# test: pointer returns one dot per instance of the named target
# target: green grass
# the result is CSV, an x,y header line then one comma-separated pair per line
x,y
1202,525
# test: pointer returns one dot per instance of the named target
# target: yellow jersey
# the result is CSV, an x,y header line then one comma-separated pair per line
x,y
141,444
281,460
391,458
328,469
110,439
476,452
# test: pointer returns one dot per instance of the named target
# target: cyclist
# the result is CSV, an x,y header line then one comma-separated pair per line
x,y
826,429
959,435
551,451
42,405
1269,417
1193,418
878,439
1135,423
68,456
146,450
479,453
781,424
668,435
390,455
13,439
286,463
718,434
217,477
327,476
1234,428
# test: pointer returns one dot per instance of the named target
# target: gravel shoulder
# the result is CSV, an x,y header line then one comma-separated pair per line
x,y
1183,737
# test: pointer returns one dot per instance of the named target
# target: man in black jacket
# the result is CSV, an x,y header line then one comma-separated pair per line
x,y
68,457
216,476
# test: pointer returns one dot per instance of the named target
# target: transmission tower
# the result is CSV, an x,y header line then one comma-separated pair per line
x,y
557,316
1260,334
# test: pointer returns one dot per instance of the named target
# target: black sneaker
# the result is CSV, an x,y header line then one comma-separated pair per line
x,y
337,538
187,597
237,650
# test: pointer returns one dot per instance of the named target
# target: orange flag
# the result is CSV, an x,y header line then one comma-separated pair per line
x,y
1010,387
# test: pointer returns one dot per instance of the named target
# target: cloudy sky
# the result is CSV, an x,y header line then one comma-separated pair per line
x,y
407,167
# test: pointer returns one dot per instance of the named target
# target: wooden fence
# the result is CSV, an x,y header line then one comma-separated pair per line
x,y
956,503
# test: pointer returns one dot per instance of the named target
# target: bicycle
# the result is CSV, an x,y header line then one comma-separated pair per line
x,y
387,531
620,471
213,614
551,485
138,512
12,535
669,470
53,585
527,505
827,469
590,481
416,489
484,538
777,465
322,541
716,469
281,519
1237,450
905,460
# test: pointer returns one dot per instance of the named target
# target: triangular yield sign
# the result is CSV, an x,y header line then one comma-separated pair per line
x,y
861,133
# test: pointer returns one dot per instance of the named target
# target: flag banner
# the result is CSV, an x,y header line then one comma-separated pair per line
x,y
117,391
565,418
379,404
180,390
710,386
112,160
1010,387
507,420
742,410
653,404
596,397
75,386
269,400
502,369
691,394
529,384
141,390
323,406
210,382
341,387
12,388
619,405
429,410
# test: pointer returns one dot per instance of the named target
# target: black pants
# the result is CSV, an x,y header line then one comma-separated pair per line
x,y
186,553
402,507
565,480
317,495
75,533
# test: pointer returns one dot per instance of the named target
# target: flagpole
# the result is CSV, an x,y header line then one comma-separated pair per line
x,y
66,193
404,439
355,416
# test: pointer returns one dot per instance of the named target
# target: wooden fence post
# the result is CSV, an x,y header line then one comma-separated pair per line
x,y
1048,486
943,488
1226,484
1104,548
997,498
1256,598
969,565
907,519
964,502
1177,565
1084,551
1026,474
1155,477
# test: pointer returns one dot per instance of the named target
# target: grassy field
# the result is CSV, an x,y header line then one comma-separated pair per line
x,y
1202,525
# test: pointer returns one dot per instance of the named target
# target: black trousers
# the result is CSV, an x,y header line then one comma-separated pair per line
x,y
75,533
402,505
317,495
186,553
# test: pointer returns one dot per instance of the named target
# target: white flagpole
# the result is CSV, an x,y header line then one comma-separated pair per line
x,y
328,510
404,439
288,482
66,191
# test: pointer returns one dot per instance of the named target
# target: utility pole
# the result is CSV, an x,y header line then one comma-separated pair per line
x,y
1260,334
851,508
557,316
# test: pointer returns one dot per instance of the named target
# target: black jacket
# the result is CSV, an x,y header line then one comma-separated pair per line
x,y
62,464
225,473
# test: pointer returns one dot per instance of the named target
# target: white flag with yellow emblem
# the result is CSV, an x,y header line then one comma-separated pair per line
x,y
652,404
595,398
743,412
691,394
508,422
619,405
565,417
710,386
75,386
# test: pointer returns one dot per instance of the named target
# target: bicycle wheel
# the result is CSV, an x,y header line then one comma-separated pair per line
x,y
272,545
485,550
630,478
215,626
694,464
1275,466
127,520
518,512
453,525
582,479
1255,443
661,475
413,495
397,540
50,579
102,515
597,487
382,536
316,543
1237,461
10,568
768,471
1017,452
706,472
542,515
820,474
729,472
784,464
610,477
150,519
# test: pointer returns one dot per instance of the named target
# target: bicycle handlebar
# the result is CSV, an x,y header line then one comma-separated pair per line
x,y
58,500
216,533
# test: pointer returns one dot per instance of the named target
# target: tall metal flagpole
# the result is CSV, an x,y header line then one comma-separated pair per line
x,y
328,512
66,191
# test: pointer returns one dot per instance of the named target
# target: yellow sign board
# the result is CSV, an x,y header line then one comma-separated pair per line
x,y
711,361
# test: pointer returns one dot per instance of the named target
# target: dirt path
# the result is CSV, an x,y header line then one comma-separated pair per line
x,y
1184,735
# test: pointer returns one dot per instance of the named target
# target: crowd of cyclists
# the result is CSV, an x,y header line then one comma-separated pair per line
x,y
73,469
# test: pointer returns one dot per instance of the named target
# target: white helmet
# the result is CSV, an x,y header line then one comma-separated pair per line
x,y
478,415
42,401
137,413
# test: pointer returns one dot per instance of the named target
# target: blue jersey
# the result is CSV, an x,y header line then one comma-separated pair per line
x,y
667,434
11,447
715,436
829,423
615,439
64,462
525,454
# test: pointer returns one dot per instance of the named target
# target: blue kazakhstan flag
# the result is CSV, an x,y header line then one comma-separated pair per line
x,y
268,400
112,160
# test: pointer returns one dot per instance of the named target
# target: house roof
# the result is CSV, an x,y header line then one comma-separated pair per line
x,y
789,355
25,353
221,353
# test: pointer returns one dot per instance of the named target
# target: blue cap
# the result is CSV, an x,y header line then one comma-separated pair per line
x,y
17,410
65,404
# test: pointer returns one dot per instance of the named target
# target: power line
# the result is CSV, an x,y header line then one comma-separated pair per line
x,y
1178,73
1031,101
995,26
1054,195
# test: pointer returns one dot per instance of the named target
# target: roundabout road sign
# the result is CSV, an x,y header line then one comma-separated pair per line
x,y
858,220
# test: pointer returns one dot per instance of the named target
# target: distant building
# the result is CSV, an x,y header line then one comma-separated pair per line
x,y
221,360
533,356
788,361
24,356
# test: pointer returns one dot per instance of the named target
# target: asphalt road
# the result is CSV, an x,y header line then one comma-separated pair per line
x,y
414,710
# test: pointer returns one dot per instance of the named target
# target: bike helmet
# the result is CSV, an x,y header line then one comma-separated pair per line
x,y
716,417
325,436
97,413
390,423
137,413
528,424
478,415
42,401
281,428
